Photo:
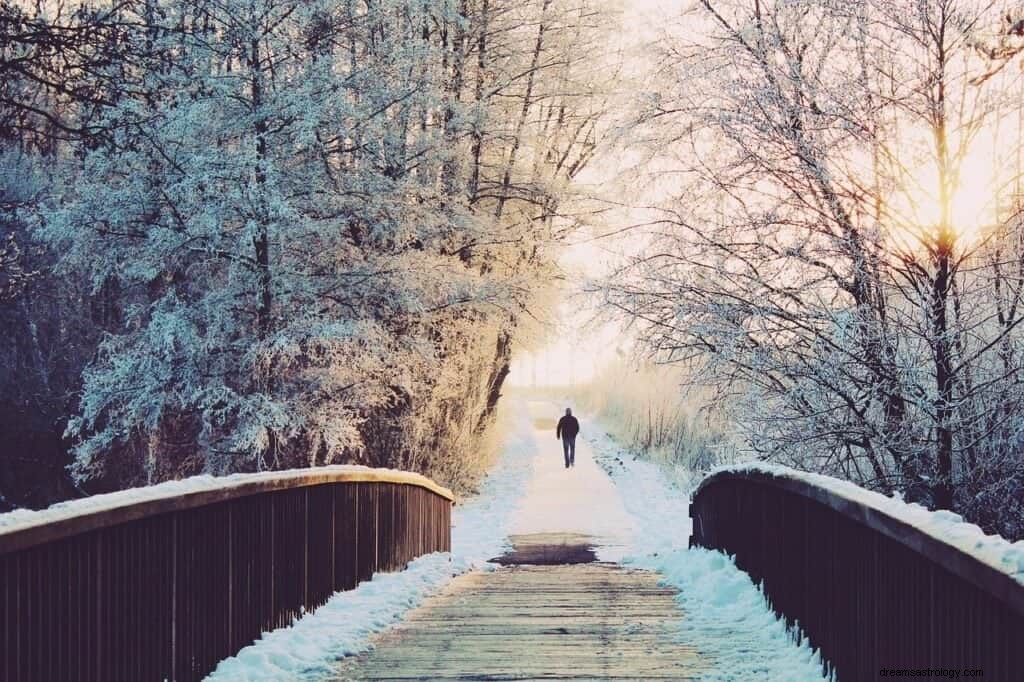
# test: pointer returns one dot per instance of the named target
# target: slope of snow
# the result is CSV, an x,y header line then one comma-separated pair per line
x,y
726,617
943,525
309,647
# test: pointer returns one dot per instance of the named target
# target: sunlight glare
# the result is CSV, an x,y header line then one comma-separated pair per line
x,y
915,210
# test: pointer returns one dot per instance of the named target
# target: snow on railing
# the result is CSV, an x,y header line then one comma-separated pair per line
x,y
99,510
874,582
943,525
161,583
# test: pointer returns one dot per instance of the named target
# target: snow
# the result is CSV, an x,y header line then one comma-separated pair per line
x,y
339,628
727,617
942,525
583,500
309,647
22,519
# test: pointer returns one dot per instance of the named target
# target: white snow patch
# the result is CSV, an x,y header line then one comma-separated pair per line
x,y
339,628
581,500
943,525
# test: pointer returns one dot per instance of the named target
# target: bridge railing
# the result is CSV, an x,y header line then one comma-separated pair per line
x,y
164,587
868,588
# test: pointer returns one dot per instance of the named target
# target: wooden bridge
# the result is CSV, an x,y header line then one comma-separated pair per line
x,y
163,588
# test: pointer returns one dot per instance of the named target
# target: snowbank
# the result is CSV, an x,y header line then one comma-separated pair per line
x,y
944,526
339,628
311,646
726,617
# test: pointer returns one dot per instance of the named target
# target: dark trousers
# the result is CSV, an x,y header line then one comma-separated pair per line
x,y
569,445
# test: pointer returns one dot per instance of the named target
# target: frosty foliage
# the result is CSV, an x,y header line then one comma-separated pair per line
x,y
17,187
320,225
815,265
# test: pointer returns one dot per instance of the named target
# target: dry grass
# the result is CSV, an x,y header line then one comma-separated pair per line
x,y
650,410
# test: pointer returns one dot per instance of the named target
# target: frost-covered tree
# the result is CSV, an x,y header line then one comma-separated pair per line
x,y
320,227
816,263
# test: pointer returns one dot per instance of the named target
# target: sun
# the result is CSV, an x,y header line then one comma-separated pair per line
x,y
975,202
917,211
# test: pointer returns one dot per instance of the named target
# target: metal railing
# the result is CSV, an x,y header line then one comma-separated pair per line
x,y
868,589
164,588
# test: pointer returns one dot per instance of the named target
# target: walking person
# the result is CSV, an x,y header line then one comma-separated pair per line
x,y
567,429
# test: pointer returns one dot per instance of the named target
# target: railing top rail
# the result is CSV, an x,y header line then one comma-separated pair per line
x,y
20,529
990,562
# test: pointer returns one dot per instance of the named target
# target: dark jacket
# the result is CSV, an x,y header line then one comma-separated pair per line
x,y
568,427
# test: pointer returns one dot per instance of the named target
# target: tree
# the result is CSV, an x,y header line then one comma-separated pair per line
x,y
322,226
816,263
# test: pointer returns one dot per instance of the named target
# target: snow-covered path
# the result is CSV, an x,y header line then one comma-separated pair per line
x,y
581,500
621,504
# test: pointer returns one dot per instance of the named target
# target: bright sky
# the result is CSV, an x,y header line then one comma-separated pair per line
x,y
576,349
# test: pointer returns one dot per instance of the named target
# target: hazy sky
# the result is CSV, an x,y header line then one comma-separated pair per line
x,y
576,350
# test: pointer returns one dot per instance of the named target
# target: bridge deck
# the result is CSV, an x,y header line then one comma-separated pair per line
x,y
548,621
558,607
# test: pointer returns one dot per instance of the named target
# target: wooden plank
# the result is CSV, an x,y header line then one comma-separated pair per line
x,y
580,621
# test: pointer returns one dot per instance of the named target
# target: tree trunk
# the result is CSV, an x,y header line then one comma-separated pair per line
x,y
499,372
943,486
481,69
517,136
261,240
